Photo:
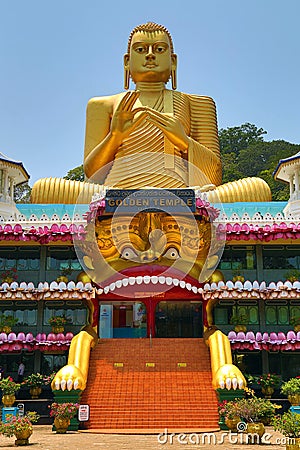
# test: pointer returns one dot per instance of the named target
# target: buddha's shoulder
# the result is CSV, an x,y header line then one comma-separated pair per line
x,y
200,99
106,102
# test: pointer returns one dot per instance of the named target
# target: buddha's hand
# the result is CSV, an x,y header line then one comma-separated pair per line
x,y
68,377
123,121
170,126
229,377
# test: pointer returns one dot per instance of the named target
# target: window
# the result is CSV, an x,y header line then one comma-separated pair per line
x,y
238,257
59,258
77,315
25,312
280,314
22,258
281,257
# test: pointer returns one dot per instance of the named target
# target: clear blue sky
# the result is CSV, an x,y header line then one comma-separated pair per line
x,y
56,54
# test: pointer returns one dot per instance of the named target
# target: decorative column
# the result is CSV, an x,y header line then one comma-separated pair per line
x,y
291,178
11,188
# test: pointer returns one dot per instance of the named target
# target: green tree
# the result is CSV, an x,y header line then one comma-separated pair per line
x,y
235,139
22,193
252,156
75,174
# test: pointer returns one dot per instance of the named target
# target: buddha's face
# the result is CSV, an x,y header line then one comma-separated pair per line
x,y
150,57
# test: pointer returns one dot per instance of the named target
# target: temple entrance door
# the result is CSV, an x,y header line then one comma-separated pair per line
x,y
123,319
178,319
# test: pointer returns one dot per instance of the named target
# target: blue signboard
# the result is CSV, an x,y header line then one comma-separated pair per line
x,y
150,200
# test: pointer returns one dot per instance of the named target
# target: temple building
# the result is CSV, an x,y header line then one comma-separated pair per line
x,y
151,289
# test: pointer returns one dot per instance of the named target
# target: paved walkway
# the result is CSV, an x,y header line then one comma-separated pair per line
x,y
44,439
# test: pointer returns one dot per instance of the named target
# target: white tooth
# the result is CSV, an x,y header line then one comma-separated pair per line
x,y
125,282
182,284
106,289
147,279
162,280
234,383
53,285
131,281
228,383
169,281
79,285
76,384
57,385
194,289
69,384
118,284
139,279
99,291
71,285
63,385
112,286
175,281
154,279
188,286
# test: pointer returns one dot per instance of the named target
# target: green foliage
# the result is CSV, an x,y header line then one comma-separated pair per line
x,y
22,193
8,386
288,424
34,380
244,153
291,387
15,425
8,321
249,409
64,410
75,174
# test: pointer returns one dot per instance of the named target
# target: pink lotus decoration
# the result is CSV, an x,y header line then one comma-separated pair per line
x,y
270,342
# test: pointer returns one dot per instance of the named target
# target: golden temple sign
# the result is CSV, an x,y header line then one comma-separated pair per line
x,y
136,200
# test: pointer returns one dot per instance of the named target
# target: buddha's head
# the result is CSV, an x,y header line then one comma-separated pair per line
x,y
150,55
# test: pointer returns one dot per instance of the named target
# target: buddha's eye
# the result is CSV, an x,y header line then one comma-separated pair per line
x,y
171,253
160,49
140,49
128,253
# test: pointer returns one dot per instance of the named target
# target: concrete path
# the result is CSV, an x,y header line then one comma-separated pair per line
x,y
44,439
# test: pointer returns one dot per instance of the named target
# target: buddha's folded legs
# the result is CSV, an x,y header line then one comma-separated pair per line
x,y
61,191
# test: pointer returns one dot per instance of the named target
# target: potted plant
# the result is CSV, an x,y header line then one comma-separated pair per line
x,y
289,425
58,323
239,321
7,322
254,411
65,273
35,382
268,382
21,427
291,389
9,276
295,321
228,410
63,413
292,275
8,387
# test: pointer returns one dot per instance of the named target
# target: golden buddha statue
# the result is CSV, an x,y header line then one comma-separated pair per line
x,y
160,138
152,136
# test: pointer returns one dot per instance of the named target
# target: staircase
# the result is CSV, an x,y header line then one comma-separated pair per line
x,y
135,386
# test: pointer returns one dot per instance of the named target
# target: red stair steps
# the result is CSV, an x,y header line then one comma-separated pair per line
x,y
139,397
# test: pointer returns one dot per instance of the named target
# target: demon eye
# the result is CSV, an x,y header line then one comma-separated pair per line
x,y
171,253
128,253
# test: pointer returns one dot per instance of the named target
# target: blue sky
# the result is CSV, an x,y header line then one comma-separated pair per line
x,y
56,54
